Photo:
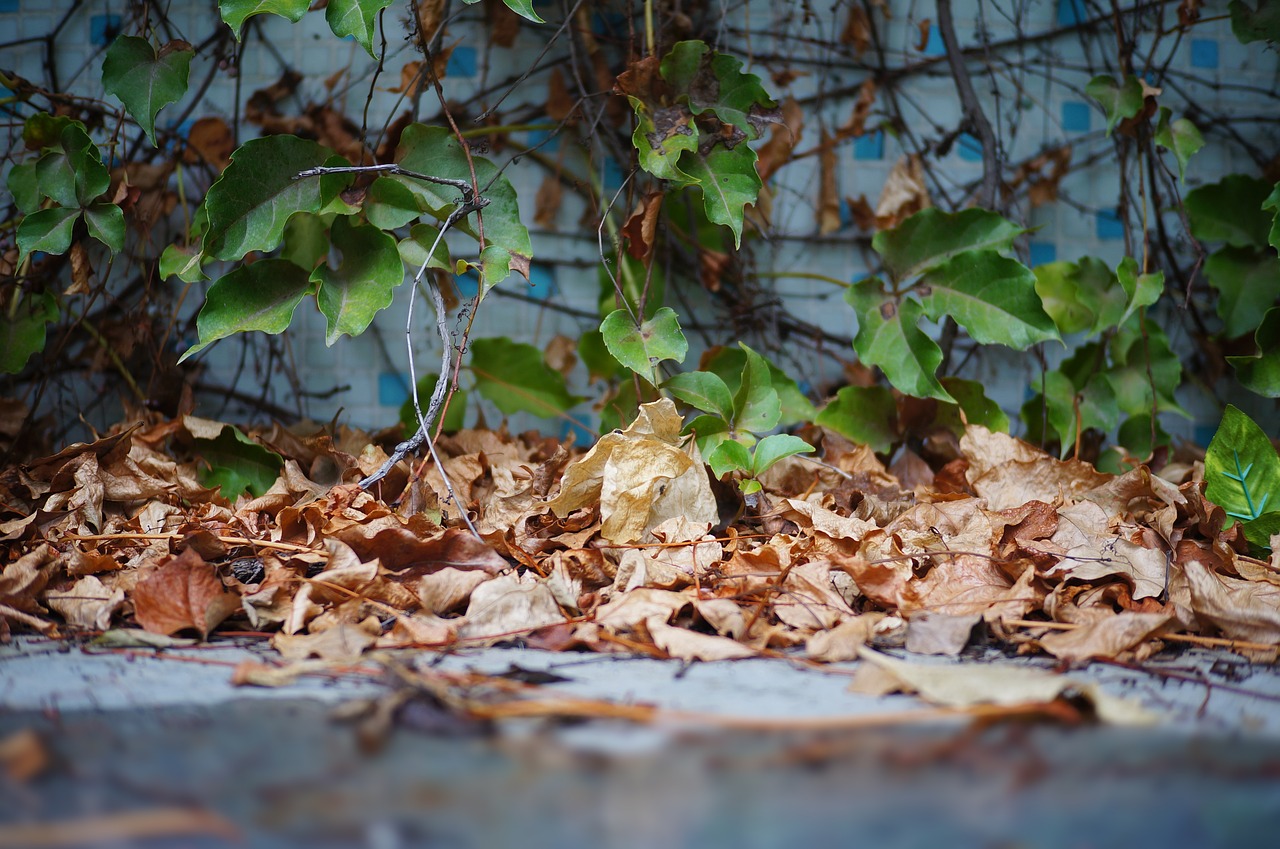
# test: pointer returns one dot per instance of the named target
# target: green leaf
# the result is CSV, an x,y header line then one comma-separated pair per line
x,y
729,183
713,81
105,222
1179,136
434,151
72,173
1118,100
261,296
22,332
889,337
453,417
728,363
1248,283
992,297
1142,290
250,203
1250,23
24,186
235,12
1230,211
756,405
523,8
596,357
709,432
1241,469
515,377
237,463
146,81
355,18
362,284
1139,362
48,230
1135,434
865,415
1060,293
306,240
931,238
43,130
421,239
1259,531
182,262
978,408
703,390
1272,203
1260,372
642,348
389,204
729,456
773,448
661,136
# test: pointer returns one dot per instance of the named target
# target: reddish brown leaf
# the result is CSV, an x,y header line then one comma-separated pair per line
x,y
642,226
184,593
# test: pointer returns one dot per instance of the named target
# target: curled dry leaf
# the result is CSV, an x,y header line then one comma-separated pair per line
x,y
904,193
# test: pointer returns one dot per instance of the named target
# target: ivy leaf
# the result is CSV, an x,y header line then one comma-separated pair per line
x,y
757,407
22,330
1260,372
421,239
306,240
1118,100
703,390
977,407
714,81
47,230
1247,281
362,284
708,431
1179,136
642,348
729,456
728,364
1230,211
729,183
146,81
1250,24
182,262
596,357
515,378
434,151
991,296
24,187
105,222
1142,290
43,130
1241,469
889,337
72,173
250,203
523,8
867,415
355,18
235,12
261,296
931,238
1272,203
1062,296
661,136
389,204
237,464
1137,363
773,448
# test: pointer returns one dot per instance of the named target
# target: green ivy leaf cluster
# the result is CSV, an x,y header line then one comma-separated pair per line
x,y
678,103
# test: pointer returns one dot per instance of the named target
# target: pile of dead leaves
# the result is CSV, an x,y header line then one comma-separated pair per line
x,y
628,547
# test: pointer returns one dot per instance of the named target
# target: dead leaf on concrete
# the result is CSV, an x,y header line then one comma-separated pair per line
x,y
691,645
1108,636
183,593
87,604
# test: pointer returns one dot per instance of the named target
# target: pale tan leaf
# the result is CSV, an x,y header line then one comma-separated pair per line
x,y
88,604
1106,637
342,643
1243,610
939,633
691,645
507,607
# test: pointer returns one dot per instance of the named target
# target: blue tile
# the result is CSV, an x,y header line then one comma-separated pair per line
x,y
579,425
7,6
1203,434
1077,117
1204,53
870,146
1108,225
537,137
969,148
1071,12
1043,252
462,62
934,46
542,282
103,29
393,389
467,284
612,176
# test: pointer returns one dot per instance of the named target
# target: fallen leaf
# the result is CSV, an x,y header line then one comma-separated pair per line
x,y
1107,637
183,593
342,643
506,607
88,604
939,633
1243,610
691,645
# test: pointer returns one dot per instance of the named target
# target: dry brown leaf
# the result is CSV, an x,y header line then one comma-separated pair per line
x,y
340,644
209,139
1007,472
546,204
1242,610
1108,636
560,102
640,477
939,633
23,755
504,24
446,590
969,684
904,193
691,645
88,604
857,30
642,226
629,609
783,138
183,593
844,641
809,600
827,211
509,606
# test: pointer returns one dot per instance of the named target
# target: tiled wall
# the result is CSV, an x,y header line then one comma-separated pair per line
x,y
1049,109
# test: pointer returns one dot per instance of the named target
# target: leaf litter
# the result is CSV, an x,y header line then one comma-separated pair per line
x,y
630,547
